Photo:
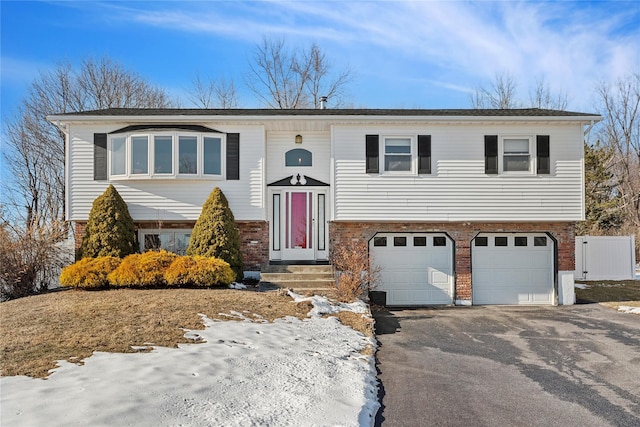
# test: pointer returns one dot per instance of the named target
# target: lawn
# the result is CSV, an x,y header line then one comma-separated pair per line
x,y
612,293
70,325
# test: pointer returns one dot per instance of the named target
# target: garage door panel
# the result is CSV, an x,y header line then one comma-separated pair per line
x,y
512,274
411,275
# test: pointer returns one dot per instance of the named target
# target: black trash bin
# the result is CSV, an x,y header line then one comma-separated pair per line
x,y
378,298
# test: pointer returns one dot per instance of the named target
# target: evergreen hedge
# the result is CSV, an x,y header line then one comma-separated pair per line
x,y
110,230
216,235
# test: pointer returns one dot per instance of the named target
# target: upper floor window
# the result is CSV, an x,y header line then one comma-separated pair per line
x,y
525,155
398,154
162,155
516,155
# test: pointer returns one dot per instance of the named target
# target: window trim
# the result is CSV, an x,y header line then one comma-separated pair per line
x,y
531,154
413,155
175,153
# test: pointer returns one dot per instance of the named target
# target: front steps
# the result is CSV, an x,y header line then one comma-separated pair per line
x,y
302,278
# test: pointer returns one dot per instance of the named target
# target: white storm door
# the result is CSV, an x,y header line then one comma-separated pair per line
x,y
298,226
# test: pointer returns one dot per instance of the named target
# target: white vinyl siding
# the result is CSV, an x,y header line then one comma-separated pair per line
x,y
458,189
168,200
279,143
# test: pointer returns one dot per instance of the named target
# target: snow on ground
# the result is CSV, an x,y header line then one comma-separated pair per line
x,y
581,286
247,373
627,309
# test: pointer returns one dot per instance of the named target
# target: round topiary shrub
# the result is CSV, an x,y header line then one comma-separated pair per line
x,y
199,271
212,271
142,270
216,235
89,273
110,230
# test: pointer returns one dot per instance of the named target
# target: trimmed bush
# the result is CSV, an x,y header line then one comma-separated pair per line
x,y
142,270
89,273
216,235
179,271
212,271
110,230
199,271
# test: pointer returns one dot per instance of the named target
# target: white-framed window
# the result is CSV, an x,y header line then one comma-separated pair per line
x,y
166,155
172,240
398,153
516,155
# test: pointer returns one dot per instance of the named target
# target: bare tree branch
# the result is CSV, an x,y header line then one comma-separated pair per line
x,y
281,78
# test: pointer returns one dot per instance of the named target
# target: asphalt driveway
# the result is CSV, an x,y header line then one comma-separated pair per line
x,y
509,366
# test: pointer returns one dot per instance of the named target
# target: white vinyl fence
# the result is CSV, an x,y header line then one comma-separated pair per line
x,y
605,258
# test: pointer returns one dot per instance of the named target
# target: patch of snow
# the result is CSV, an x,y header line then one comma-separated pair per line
x,y
289,372
236,285
581,286
627,309
321,305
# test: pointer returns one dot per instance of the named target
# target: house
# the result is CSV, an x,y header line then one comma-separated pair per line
x,y
457,206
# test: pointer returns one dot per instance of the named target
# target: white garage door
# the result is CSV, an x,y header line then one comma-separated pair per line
x,y
415,269
512,269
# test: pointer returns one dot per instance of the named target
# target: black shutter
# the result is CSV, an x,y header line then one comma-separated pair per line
x,y
100,156
424,154
491,154
372,149
233,156
542,151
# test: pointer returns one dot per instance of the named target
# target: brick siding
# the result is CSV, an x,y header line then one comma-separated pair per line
x,y
341,232
254,239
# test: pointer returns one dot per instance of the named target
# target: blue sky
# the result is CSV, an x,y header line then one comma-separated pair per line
x,y
404,54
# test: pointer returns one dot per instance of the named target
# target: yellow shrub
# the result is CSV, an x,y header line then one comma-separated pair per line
x,y
89,272
178,273
142,270
211,271
199,271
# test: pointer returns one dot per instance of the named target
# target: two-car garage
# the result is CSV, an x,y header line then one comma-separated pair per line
x,y
506,268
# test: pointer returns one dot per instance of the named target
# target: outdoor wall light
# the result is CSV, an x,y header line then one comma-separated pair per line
x,y
298,139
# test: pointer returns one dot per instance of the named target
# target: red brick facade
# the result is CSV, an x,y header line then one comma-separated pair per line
x,y
254,239
462,233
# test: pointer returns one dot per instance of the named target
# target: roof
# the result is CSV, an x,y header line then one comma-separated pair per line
x,y
517,112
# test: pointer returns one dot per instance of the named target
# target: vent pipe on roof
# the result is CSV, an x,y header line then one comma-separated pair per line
x,y
323,102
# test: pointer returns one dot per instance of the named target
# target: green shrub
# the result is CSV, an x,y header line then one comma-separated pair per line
x,y
110,230
142,270
198,271
89,273
216,235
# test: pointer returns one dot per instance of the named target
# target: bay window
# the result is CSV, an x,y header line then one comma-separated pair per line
x,y
166,155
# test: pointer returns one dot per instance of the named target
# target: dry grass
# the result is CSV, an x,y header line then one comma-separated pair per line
x,y
615,291
37,331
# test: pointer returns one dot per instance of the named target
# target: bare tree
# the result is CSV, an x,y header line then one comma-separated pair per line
x,y
620,130
213,93
542,97
35,155
283,78
318,71
500,94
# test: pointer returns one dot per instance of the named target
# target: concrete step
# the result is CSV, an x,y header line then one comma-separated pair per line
x,y
288,268
271,277
305,277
